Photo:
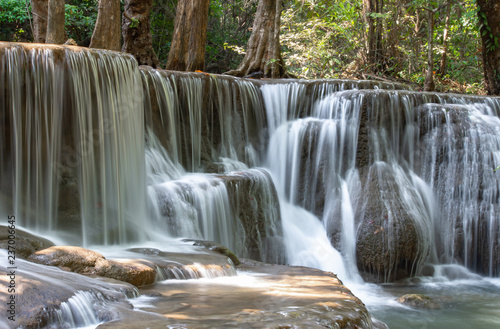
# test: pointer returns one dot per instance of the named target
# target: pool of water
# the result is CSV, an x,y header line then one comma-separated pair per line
x,y
464,304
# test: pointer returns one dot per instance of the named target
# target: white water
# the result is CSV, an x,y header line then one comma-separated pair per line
x,y
307,137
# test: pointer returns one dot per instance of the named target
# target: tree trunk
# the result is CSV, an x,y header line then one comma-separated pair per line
x,y
107,31
373,40
187,52
489,20
444,54
55,24
39,10
429,77
137,39
263,48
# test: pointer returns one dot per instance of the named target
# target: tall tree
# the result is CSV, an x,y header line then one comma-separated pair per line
x,y
372,10
444,54
429,76
187,52
137,39
107,31
263,49
489,19
55,24
39,10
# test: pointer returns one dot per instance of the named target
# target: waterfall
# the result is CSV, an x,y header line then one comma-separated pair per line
x,y
369,165
361,178
74,142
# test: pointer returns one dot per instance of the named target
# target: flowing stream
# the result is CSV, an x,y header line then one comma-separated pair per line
x,y
363,179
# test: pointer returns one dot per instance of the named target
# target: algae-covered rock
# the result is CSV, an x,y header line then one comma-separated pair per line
x,y
392,239
419,301
218,248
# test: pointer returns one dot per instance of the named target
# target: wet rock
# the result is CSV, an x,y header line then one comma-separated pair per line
x,y
255,204
419,301
70,258
40,291
85,261
317,300
392,239
218,248
138,273
25,243
187,265
377,324
457,147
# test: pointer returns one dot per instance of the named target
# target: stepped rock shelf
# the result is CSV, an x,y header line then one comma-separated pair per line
x,y
255,295
364,179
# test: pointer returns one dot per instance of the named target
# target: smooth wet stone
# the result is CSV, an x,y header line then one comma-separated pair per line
x,y
85,261
419,301
262,296
25,243
136,272
218,248
40,290
200,263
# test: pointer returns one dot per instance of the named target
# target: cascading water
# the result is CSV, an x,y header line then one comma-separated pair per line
x,y
87,164
370,183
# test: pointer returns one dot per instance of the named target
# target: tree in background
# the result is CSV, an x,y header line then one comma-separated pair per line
x,y
263,53
187,52
137,39
373,14
56,32
39,10
489,18
108,28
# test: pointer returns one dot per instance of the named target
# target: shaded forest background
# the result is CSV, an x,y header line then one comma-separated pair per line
x,y
319,38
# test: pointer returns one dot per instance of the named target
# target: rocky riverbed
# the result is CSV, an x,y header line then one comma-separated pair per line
x,y
68,286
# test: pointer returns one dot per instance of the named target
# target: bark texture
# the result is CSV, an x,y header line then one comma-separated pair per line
x,y
39,10
489,20
444,55
107,31
263,48
373,38
137,39
190,34
429,76
55,24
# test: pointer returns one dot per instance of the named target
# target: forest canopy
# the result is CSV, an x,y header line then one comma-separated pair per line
x,y
363,39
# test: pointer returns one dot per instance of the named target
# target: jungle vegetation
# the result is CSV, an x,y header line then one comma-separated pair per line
x,y
395,40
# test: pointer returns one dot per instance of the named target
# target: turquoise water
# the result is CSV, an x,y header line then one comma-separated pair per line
x,y
465,304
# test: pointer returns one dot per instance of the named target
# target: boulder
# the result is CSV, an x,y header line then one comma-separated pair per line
x,y
419,301
136,272
25,243
69,258
394,230
40,290
85,261
255,204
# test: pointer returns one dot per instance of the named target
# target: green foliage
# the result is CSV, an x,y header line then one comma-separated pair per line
x,y
229,28
80,17
327,38
321,38
14,20
162,27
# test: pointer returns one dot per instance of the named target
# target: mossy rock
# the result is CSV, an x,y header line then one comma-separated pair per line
x,y
419,301
216,247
